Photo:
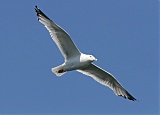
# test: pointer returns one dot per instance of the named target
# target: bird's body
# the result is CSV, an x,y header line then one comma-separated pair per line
x,y
75,60
78,62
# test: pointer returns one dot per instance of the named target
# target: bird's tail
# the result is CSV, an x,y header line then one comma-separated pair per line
x,y
58,70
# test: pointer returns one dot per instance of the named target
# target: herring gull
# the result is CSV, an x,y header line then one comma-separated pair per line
x,y
75,60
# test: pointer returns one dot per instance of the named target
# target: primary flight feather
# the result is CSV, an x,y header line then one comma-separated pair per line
x,y
75,60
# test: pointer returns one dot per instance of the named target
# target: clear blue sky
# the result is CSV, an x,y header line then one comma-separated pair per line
x,y
121,34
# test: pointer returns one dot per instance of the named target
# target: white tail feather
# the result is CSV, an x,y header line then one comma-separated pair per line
x,y
58,70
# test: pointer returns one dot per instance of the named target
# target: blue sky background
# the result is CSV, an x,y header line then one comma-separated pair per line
x,y
122,34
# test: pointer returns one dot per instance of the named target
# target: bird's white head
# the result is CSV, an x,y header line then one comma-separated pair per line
x,y
87,58
92,58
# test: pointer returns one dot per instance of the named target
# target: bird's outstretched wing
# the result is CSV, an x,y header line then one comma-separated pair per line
x,y
60,37
106,79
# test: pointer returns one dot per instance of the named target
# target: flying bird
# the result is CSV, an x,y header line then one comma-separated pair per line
x,y
75,60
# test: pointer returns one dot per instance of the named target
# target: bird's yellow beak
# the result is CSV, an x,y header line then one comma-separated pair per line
x,y
95,59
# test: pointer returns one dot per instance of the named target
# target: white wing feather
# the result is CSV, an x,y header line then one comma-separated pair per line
x,y
60,37
106,79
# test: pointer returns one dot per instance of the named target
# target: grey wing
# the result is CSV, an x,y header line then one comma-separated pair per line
x,y
106,79
60,37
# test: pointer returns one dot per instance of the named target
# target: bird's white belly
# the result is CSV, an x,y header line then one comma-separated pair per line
x,y
74,65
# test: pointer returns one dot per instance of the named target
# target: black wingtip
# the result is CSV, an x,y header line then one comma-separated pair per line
x,y
133,99
130,97
39,12
37,9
